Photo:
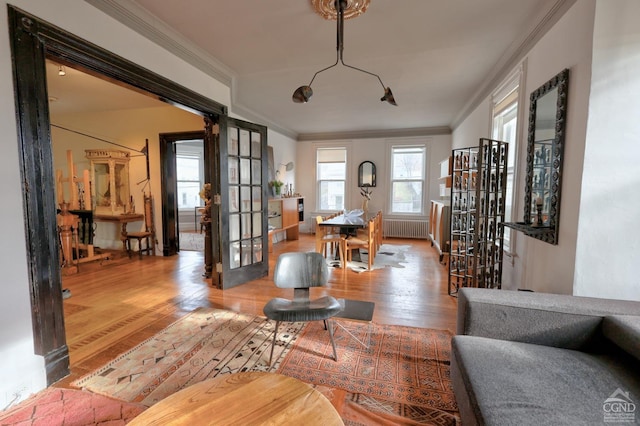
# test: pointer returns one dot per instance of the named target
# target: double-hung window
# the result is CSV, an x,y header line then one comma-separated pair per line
x,y
331,170
189,170
504,128
408,171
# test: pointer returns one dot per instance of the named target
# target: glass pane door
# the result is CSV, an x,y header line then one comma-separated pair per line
x,y
243,221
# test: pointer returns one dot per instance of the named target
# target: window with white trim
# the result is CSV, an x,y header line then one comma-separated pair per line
x,y
505,128
189,174
408,171
331,176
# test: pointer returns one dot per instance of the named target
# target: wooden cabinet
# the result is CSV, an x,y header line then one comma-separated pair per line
x,y
285,214
439,217
109,181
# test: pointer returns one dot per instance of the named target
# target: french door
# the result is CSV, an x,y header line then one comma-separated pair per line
x,y
240,204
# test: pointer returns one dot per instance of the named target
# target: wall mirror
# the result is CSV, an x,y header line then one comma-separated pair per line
x,y
545,147
366,174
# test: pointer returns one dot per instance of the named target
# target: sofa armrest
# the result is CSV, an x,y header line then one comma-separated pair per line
x,y
564,321
624,331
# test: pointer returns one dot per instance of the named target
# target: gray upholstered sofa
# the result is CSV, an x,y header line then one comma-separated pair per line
x,y
522,358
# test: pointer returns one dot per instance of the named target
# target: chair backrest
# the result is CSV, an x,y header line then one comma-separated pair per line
x,y
148,214
301,270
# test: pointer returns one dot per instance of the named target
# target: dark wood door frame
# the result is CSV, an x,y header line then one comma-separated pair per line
x,y
169,184
32,41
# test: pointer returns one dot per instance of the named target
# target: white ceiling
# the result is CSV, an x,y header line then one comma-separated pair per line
x,y
437,56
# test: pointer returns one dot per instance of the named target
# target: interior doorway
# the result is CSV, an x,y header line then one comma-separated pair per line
x,y
185,164
32,41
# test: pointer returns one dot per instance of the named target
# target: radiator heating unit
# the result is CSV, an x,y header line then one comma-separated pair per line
x,y
403,228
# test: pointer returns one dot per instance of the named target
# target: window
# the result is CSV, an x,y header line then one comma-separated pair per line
x,y
188,182
407,178
331,167
504,128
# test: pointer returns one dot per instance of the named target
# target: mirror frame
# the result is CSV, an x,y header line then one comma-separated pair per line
x,y
361,175
549,232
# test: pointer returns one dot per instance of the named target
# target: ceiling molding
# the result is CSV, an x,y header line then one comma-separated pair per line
x,y
250,115
149,26
375,134
513,57
141,21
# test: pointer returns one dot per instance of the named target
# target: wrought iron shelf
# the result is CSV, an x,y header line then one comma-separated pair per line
x,y
530,230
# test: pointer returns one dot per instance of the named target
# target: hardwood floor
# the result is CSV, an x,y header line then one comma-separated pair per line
x,y
117,305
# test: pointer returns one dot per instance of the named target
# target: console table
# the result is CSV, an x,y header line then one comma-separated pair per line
x,y
122,219
254,398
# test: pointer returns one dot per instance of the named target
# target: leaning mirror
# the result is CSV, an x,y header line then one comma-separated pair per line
x,y
545,147
367,174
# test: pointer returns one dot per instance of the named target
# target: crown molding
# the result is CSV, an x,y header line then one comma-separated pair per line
x,y
513,57
138,19
375,134
149,26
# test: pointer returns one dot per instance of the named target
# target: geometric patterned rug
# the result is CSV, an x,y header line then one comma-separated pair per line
x,y
402,378
403,373
199,346
54,406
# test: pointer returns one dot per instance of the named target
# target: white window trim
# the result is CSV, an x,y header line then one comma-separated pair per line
x,y
348,145
516,78
424,142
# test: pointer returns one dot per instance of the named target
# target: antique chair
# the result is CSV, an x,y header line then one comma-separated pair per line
x,y
148,235
300,271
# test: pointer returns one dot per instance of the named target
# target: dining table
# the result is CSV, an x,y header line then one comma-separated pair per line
x,y
348,222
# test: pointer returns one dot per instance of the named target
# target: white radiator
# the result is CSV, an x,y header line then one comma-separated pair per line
x,y
404,228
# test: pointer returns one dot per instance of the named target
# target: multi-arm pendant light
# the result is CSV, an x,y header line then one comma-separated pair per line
x,y
303,93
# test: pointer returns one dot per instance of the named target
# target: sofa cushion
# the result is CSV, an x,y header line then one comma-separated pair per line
x,y
498,382
624,331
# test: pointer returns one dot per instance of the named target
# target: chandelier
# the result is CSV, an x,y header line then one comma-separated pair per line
x,y
338,9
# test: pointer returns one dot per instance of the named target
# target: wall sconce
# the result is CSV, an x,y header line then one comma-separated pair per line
x,y
288,167
61,71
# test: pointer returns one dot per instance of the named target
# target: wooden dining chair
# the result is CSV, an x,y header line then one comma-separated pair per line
x,y
326,237
360,241
149,233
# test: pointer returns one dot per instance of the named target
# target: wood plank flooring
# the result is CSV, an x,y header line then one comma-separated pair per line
x,y
120,303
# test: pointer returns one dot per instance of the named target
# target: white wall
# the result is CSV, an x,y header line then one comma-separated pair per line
x,y
284,151
541,266
377,151
608,244
22,372
475,126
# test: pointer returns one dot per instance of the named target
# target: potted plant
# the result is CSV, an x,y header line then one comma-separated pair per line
x,y
277,186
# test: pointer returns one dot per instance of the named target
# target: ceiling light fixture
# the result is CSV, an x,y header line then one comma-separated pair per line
x,y
304,93
61,71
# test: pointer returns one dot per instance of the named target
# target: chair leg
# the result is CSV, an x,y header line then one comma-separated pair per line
x,y
273,344
333,343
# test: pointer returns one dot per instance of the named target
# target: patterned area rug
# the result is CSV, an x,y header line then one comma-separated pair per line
x,y
70,407
404,374
403,378
199,346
